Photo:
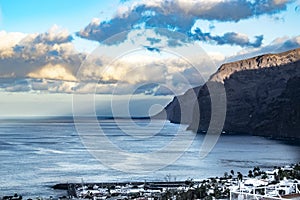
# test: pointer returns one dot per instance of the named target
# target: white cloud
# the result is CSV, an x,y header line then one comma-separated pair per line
x,y
47,55
181,15
230,38
8,41
278,45
39,85
45,62
136,69
18,87
50,71
48,62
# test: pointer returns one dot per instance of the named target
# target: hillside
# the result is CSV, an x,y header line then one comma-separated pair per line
x,y
262,96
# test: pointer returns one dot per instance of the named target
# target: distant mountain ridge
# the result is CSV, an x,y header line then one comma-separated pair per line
x,y
262,93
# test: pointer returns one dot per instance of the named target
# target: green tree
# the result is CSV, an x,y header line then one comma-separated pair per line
x,y
217,193
250,174
225,175
256,169
264,176
240,176
201,191
280,174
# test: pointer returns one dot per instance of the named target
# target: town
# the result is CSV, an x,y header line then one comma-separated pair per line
x,y
279,183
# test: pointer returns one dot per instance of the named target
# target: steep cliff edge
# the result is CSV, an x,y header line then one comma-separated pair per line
x,y
181,108
255,63
262,96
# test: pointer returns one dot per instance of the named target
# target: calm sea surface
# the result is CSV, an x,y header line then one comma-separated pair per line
x,y
35,156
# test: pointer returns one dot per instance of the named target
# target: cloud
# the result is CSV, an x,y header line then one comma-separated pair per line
x,y
153,40
50,71
47,55
53,36
140,61
278,45
180,16
48,62
19,85
148,73
8,41
230,38
39,85
154,49
142,74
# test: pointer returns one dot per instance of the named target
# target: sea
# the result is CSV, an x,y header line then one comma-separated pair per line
x,y
37,154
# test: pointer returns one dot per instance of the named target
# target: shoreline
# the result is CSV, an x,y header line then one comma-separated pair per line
x,y
224,187
64,186
231,184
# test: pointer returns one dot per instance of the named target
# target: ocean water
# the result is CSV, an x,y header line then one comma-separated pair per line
x,y
37,155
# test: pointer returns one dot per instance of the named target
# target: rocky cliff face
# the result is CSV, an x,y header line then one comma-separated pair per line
x,y
262,96
256,63
181,108
282,118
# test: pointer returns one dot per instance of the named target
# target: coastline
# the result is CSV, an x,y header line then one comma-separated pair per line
x,y
225,187
257,183
222,162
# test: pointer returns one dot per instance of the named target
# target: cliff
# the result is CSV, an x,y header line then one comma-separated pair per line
x,y
262,97
180,109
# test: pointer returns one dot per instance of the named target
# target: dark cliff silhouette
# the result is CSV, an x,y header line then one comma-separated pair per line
x,y
262,97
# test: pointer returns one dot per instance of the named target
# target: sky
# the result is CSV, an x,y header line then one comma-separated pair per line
x,y
135,53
